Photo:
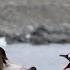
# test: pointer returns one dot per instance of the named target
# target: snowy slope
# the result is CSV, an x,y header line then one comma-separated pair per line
x,y
44,57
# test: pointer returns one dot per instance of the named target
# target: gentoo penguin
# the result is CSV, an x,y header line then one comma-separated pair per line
x,y
68,58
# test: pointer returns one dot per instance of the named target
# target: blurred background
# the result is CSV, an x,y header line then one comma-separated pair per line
x,y
39,28
35,21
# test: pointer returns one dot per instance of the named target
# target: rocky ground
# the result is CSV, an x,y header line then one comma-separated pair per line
x,y
16,17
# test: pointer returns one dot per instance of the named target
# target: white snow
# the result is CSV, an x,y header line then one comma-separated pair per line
x,y
44,57
14,67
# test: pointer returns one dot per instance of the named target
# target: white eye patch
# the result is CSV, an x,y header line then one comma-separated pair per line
x,y
68,55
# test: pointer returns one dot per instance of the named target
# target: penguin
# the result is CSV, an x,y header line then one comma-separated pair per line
x,y
67,56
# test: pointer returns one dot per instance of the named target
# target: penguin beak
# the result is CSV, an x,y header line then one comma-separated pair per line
x,y
62,55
